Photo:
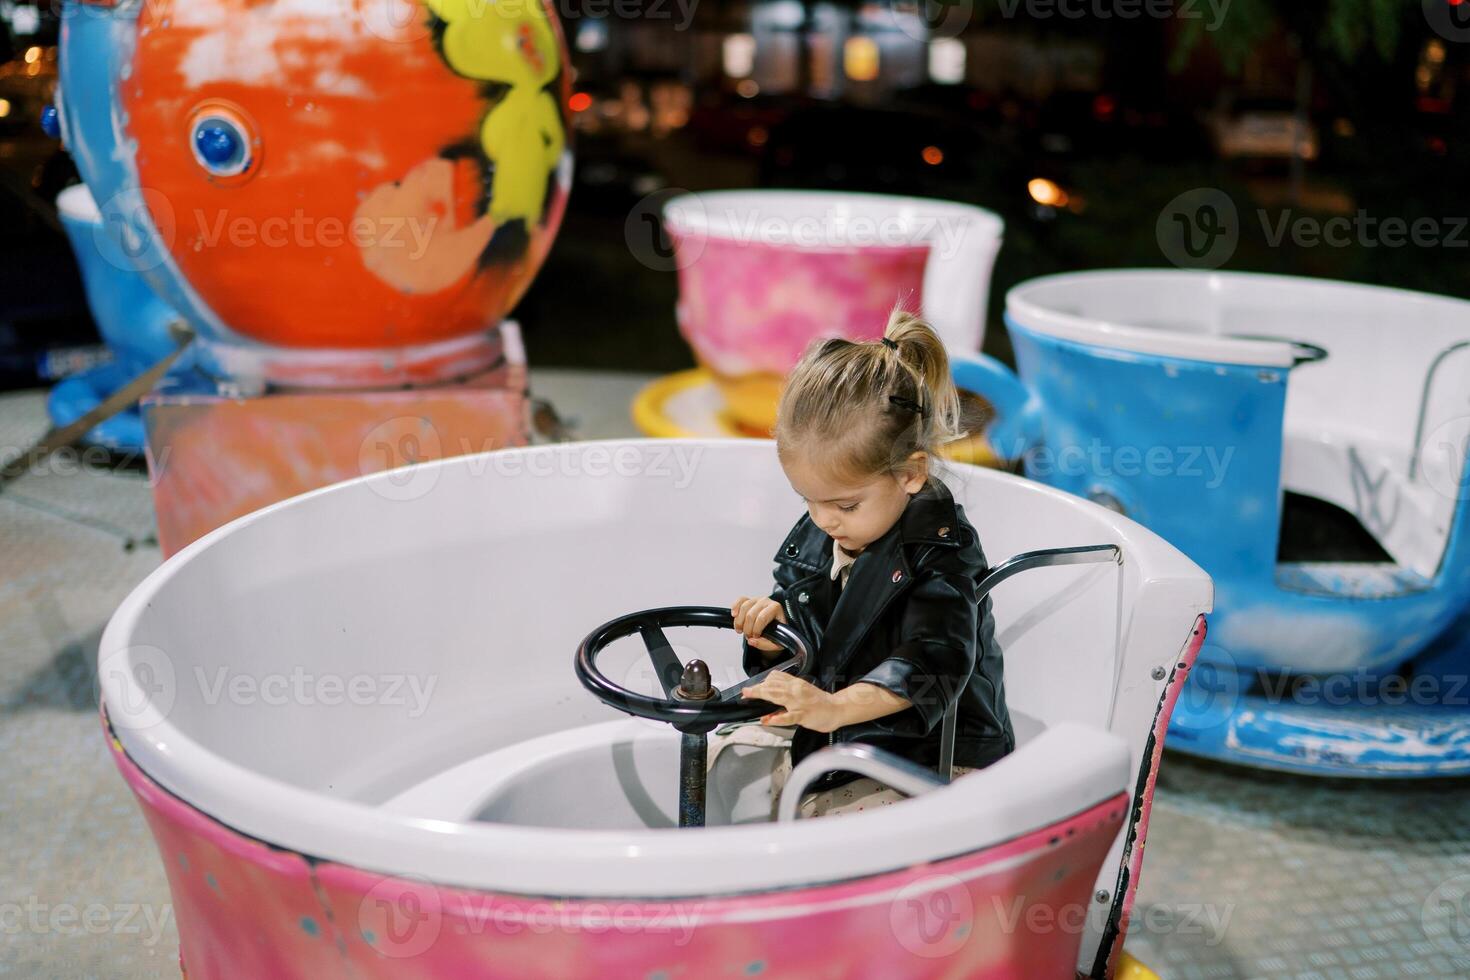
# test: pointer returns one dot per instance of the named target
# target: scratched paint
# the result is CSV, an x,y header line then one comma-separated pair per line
x,y
245,908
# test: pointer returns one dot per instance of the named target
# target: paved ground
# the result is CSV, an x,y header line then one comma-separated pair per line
x,y
1246,875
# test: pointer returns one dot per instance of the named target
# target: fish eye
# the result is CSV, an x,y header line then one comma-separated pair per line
x,y
223,142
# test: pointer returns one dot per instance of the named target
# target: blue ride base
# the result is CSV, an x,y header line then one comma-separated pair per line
x,y
1412,725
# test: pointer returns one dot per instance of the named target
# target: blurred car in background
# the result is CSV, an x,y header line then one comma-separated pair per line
x,y
1261,128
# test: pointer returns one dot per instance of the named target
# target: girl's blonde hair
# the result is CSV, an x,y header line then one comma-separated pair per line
x,y
861,409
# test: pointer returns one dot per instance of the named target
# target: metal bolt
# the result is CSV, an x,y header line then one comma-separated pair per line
x,y
695,684
802,598
1102,897
1158,674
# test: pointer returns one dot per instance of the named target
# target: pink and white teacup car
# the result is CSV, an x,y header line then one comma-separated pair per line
x,y
354,727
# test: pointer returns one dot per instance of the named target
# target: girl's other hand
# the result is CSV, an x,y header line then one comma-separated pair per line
x,y
753,614
801,701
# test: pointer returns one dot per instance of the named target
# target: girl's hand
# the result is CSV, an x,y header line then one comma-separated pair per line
x,y
753,615
805,704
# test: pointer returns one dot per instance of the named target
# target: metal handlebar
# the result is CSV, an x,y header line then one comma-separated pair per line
x,y
1424,402
907,777
1045,558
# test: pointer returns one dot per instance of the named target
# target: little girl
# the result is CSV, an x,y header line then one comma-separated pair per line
x,y
879,575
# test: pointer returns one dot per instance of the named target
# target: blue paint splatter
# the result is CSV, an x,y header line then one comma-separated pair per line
x,y
309,926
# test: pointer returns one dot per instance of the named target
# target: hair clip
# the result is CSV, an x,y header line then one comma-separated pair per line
x,y
910,405
890,343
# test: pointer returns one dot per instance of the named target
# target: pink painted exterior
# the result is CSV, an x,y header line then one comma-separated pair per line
x,y
752,308
1143,802
245,909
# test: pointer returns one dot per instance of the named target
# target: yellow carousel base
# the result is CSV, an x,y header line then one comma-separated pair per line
x,y
1131,969
688,404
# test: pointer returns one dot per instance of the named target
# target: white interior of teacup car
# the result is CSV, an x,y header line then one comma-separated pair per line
x,y
1377,427
480,575
963,239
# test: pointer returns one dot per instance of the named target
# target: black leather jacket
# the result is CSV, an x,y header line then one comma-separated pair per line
x,y
906,621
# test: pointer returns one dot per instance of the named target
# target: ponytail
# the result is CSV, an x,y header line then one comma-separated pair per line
x,y
865,408
918,349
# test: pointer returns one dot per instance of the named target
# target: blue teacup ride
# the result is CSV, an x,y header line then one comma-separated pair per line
x,y
132,319
1210,406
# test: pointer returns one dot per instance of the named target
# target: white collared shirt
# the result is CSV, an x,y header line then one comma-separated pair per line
x,y
841,563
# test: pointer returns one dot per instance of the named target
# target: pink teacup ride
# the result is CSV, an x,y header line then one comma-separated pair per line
x,y
763,273
358,725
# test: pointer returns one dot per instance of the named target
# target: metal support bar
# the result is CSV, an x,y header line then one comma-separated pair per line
x,y
693,770
909,778
1424,402
1047,558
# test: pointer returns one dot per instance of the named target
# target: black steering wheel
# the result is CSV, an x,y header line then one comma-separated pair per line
x,y
692,704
